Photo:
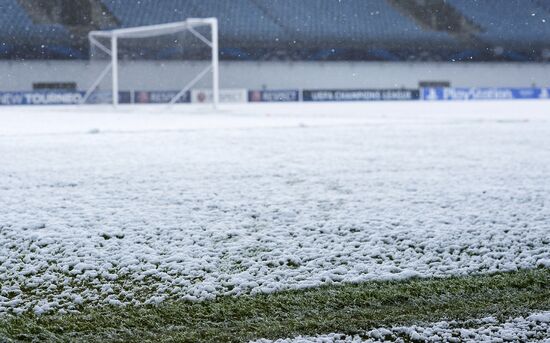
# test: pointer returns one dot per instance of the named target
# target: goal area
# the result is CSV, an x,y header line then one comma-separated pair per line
x,y
165,59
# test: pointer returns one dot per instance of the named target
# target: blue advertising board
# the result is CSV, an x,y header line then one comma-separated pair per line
x,y
137,97
40,98
98,97
106,97
160,97
274,95
485,93
360,94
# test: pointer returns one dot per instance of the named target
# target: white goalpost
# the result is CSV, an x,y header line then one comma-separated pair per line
x,y
108,44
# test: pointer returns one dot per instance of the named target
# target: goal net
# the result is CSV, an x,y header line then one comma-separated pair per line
x,y
154,64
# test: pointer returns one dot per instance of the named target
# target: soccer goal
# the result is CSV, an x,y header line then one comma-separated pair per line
x,y
155,63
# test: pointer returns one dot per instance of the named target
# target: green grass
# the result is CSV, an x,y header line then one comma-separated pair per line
x,y
348,308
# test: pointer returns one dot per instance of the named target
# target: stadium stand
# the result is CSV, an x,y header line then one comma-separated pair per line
x,y
21,38
305,30
519,23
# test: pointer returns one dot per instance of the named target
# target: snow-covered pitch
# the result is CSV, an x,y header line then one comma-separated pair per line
x,y
139,205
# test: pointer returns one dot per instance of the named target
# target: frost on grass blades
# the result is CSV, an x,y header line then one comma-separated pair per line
x,y
140,216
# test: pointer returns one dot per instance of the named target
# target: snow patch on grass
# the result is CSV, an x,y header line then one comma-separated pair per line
x,y
533,328
246,204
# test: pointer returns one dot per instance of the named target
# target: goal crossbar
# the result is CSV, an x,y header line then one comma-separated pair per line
x,y
145,31
151,31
